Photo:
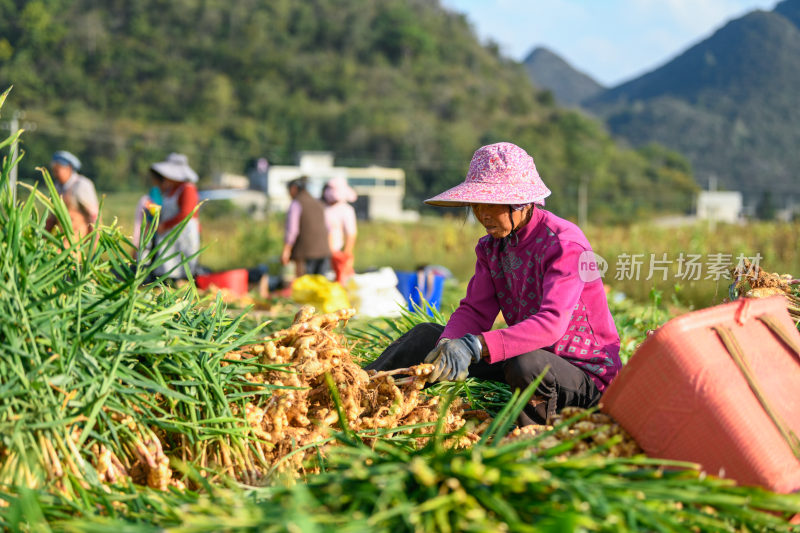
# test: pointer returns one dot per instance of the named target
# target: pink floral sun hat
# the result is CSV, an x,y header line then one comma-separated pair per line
x,y
501,173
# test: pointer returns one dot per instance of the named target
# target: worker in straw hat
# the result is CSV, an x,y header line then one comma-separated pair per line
x,y
179,198
538,270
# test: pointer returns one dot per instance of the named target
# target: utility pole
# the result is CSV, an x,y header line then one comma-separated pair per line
x,y
13,126
262,170
712,205
583,202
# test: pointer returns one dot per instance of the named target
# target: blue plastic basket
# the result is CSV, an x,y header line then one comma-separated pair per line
x,y
416,286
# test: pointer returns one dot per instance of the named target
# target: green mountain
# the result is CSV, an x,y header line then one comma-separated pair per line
x,y
730,104
397,82
549,71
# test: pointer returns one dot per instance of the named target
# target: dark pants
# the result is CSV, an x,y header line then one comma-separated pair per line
x,y
563,385
319,265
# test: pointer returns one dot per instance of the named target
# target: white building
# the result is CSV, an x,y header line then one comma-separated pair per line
x,y
380,189
719,206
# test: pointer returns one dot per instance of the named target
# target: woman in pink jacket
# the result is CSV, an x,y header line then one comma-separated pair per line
x,y
536,269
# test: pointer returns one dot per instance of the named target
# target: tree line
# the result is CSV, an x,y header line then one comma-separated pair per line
x,y
398,82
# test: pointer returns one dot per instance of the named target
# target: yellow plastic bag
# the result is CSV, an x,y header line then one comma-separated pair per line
x,y
316,290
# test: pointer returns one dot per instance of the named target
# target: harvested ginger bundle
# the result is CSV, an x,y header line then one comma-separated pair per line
x,y
754,282
597,428
289,426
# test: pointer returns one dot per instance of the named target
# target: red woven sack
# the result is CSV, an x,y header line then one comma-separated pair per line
x,y
719,387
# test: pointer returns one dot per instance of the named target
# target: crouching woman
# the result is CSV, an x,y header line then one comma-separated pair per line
x,y
538,270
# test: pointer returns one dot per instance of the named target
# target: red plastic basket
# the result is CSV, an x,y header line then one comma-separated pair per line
x,y
719,387
232,280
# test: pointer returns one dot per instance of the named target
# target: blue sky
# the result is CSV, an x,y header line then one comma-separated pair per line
x,y
611,40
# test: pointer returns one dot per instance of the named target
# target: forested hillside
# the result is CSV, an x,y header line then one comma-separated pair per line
x,y
730,104
397,82
549,71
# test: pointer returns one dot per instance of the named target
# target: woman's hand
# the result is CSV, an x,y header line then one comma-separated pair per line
x,y
286,254
451,358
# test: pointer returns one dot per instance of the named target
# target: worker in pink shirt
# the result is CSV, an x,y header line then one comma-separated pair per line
x,y
531,267
340,218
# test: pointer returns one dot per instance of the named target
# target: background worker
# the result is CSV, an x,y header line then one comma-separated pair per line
x,y
75,188
529,268
179,197
340,217
306,239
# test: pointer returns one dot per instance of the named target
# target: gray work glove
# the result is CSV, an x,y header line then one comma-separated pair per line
x,y
451,358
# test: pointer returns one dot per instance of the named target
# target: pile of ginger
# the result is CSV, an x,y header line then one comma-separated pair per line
x,y
302,411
